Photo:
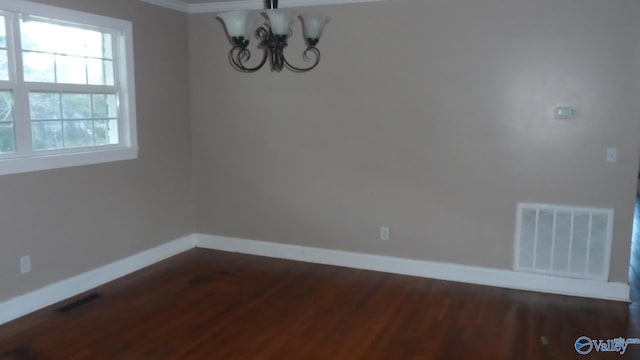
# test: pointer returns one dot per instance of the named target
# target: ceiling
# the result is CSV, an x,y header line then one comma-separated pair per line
x,y
209,6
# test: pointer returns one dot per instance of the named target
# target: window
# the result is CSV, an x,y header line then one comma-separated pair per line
x,y
66,88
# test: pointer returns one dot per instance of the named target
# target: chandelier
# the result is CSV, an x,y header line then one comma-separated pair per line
x,y
272,36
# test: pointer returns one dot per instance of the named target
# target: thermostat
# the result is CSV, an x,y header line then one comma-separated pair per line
x,y
565,112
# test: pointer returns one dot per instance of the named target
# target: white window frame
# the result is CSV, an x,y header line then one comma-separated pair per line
x,y
25,159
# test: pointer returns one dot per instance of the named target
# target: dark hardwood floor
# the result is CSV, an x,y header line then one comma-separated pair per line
x,y
207,304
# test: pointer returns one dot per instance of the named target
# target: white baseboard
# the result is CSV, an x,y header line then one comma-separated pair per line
x,y
50,294
21,305
427,269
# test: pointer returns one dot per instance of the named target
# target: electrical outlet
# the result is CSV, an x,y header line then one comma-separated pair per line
x,y
25,264
384,233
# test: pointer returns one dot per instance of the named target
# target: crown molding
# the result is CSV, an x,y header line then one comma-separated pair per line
x,y
213,7
170,4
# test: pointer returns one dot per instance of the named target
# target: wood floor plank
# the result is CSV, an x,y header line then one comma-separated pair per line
x,y
207,304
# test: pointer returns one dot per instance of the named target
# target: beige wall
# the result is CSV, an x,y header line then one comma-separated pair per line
x,y
431,117
76,219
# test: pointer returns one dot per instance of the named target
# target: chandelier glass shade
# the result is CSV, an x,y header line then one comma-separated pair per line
x,y
273,37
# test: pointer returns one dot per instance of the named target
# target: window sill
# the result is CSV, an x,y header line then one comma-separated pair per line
x,y
56,161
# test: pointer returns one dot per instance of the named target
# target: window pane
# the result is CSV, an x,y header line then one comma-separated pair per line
x,y
107,46
85,120
7,127
4,65
101,132
93,43
100,72
79,42
36,36
76,106
71,70
82,56
108,73
38,67
99,106
95,72
106,132
6,106
44,106
46,135
78,133
7,138
4,59
112,134
60,39
112,106
3,33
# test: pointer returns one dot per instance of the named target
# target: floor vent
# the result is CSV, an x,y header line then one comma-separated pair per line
x,y
564,241
78,303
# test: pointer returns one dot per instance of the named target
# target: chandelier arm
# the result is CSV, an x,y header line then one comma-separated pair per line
x,y
238,56
305,55
262,33
277,59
